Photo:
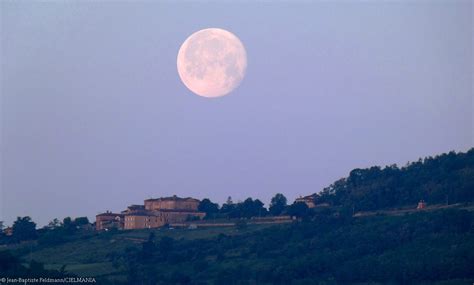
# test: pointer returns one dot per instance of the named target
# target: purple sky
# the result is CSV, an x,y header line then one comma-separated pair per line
x,y
94,116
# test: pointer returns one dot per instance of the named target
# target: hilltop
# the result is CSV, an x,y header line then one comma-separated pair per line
x,y
363,229
444,179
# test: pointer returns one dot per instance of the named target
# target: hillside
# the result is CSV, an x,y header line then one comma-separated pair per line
x,y
432,247
371,233
443,179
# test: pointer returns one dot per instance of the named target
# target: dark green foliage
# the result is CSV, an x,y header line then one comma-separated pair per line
x,y
444,179
228,207
149,247
247,209
241,224
54,224
81,221
24,229
277,204
330,249
165,246
12,267
298,210
211,209
56,233
68,225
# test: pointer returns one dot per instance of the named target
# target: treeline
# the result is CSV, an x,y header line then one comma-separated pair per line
x,y
24,229
420,248
247,209
443,179
56,232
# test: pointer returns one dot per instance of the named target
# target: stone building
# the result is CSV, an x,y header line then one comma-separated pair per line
x,y
172,203
154,213
109,220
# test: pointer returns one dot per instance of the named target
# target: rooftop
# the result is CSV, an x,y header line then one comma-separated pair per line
x,y
172,198
108,214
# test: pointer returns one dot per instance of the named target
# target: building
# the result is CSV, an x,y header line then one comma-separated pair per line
x,y
172,203
8,231
109,220
134,209
143,221
153,214
308,200
421,205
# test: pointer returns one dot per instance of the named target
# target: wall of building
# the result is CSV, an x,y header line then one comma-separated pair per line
x,y
143,222
154,205
174,217
103,222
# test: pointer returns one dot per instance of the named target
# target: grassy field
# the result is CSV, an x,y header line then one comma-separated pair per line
x,y
88,255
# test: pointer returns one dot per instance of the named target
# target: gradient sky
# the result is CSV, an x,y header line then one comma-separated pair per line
x,y
94,116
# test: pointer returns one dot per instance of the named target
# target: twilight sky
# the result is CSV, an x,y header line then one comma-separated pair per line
x,y
94,116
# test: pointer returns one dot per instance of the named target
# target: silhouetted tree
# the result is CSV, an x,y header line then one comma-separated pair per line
x,y
165,246
80,221
148,247
24,229
277,204
299,210
228,207
54,224
68,225
250,208
208,207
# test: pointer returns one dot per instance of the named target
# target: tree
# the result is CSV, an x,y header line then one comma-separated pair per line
x,y
148,247
1,229
259,209
208,207
250,208
165,246
80,221
69,225
228,207
278,204
54,224
444,179
299,210
24,229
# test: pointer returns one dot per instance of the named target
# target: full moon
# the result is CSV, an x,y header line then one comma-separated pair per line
x,y
212,62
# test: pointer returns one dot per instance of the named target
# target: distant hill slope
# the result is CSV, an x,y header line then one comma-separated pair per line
x,y
443,179
424,247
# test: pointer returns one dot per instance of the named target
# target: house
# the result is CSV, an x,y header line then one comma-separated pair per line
x,y
421,205
308,200
108,220
8,231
